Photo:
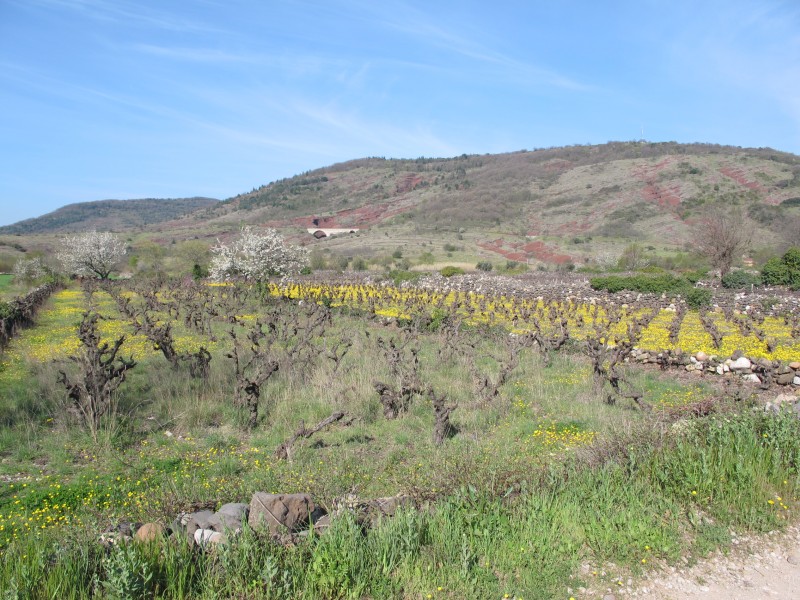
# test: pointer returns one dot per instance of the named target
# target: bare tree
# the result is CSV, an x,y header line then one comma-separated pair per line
x,y
102,371
723,236
91,254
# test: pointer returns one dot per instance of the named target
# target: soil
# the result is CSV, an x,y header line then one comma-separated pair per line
x,y
755,568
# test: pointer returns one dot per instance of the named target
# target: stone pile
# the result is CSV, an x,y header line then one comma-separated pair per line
x,y
284,517
761,370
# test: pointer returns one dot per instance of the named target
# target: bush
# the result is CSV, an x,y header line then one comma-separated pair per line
x,y
775,272
450,270
649,284
698,297
484,266
784,270
399,276
738,279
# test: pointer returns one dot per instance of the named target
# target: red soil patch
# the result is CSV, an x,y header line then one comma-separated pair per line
x,y
408,183
667,197
740,177
521,252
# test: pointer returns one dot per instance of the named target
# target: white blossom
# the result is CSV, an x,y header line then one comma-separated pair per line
x,y
256,256
91,254
29,269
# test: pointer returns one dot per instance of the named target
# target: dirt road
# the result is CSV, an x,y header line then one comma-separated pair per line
x,y
756,568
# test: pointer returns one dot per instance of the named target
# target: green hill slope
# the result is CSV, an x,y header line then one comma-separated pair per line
x,y
109,215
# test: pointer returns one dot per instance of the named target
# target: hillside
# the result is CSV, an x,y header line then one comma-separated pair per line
x,y
109,215
578,204
552,205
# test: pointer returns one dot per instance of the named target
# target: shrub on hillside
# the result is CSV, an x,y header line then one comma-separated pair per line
x,y
484,266
665,283
450,270
398,276
738,279
784,270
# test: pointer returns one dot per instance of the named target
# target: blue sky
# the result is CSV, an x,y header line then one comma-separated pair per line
x,y
164,98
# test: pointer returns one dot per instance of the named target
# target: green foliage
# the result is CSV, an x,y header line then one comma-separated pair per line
x,y
398,276
484,266
698,297
665,283
784,270
128,573
450,270
199,272
775,272
738,279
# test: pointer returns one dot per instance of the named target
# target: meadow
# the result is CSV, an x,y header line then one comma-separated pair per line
x,y
546,483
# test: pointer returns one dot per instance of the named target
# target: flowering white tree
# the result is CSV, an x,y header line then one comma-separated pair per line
x,y
256,256
28,270
91,254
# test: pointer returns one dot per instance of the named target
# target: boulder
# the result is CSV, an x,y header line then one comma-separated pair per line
x,y
230,516
751,377
785,379
764,363
203,519
794,365
207,537
796,380
741,364
149,532
280,512
701,356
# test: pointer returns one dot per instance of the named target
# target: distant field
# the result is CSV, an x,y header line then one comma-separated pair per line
x,y
5,281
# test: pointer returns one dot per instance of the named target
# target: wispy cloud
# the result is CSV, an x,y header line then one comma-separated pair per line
x,y
415,23
125,12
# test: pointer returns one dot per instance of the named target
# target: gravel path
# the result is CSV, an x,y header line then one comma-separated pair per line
x,y
756,568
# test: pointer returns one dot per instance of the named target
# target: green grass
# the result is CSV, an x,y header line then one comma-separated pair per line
x,y
536,490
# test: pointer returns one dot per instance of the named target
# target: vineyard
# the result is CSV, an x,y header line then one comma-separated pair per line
x,y
533,436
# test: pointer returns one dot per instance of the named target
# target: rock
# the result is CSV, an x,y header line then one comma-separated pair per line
x,y
389,506
741,364
206,537
737,355
751,377
230,516
280,512
199,520
764,363
796,380
781,398
719,369
794,365
149,532
726,368
785,379
701,356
